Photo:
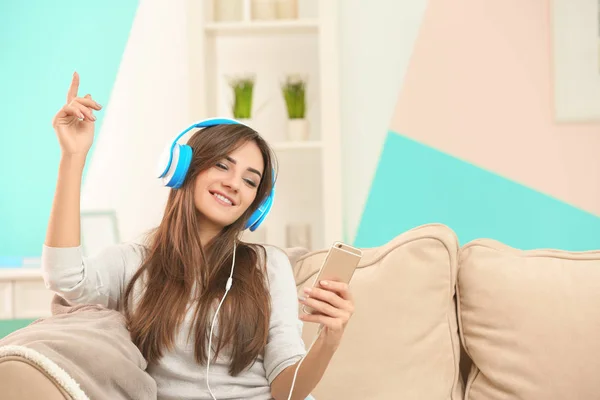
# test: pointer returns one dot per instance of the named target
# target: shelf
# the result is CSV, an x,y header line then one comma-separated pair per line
x,y
270,49
288,146
15,274
260,27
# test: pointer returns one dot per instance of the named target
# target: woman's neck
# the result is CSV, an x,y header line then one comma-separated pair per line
x,y
207,234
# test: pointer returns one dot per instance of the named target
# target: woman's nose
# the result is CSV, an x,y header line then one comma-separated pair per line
x,y
232,183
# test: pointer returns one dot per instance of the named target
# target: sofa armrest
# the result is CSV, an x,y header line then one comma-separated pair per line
x,y
21,379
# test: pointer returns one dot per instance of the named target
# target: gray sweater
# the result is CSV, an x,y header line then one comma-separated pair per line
x,y
102,279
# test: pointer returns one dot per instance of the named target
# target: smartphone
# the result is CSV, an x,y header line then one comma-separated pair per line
x,y
339,265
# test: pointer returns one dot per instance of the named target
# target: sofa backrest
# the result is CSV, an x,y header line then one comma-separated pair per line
x,y
530,321
402,341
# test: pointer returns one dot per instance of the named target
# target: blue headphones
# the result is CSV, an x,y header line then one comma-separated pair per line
x,y
175,162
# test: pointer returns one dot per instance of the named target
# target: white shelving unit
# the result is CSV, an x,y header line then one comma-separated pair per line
x,y
308,190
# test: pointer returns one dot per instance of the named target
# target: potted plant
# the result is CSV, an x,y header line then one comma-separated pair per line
x,y
294,93
243,89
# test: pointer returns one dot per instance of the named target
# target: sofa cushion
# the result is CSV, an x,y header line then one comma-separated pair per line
x,y
530,322
402,341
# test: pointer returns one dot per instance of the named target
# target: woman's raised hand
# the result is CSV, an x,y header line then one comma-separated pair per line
x,y
75,122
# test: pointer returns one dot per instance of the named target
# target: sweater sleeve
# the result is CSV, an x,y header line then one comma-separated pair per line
x,y
284,346
99,279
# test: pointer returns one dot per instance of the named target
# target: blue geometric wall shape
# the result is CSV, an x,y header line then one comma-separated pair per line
x,y
415,184
43,42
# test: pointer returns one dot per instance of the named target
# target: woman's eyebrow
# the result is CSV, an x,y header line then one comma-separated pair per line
x,y
231,160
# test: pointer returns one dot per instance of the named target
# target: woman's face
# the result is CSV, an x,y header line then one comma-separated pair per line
x,y
223,192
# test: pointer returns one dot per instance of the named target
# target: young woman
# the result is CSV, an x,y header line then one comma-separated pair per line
x,y
170,288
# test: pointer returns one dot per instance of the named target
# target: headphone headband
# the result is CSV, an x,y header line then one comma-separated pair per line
x,y
175,162
167,156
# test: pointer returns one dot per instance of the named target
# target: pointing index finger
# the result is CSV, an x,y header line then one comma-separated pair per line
x,y
74,88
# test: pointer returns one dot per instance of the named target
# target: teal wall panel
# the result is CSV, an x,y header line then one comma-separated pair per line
x,y
415,184
42,43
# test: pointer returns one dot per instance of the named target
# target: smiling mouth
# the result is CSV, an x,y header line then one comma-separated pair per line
x,y
221,198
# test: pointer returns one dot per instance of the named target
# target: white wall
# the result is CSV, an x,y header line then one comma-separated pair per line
x,y
149,105
147,108
377,39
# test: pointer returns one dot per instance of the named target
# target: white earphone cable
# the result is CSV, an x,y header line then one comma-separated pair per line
x,y
227,287
301,361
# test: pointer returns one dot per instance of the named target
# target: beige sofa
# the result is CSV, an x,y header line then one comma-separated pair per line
x,y
21,379
434,320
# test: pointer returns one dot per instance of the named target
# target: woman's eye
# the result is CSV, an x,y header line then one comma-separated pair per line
x,y
251,183
221,166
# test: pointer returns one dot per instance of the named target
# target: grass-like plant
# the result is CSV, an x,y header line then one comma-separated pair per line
x,y
294,91
243,89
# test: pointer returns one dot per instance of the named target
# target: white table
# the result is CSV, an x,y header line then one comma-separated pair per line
x,y
23,294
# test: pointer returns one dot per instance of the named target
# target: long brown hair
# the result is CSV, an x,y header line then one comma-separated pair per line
x,y
179,270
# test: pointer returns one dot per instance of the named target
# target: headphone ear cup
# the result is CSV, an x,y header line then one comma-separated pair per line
x,y
164,162
176,158
252,220
180,164
260,214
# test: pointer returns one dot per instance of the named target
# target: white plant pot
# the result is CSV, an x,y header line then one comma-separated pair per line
x,y
229,10
298,129
264,9
287,9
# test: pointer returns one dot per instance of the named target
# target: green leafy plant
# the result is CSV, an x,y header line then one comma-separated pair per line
x,y
294,90
243,89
